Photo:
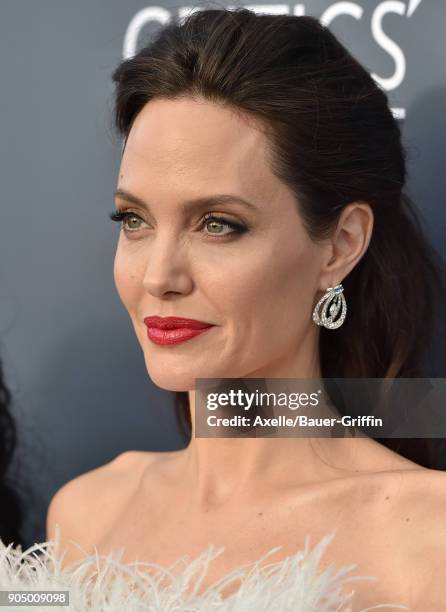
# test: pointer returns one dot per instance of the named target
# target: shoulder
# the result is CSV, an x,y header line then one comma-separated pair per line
x,y
425,495
421,503
406,517
424,518
83,507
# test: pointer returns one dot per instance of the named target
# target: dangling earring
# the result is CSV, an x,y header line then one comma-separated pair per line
x,y
336,297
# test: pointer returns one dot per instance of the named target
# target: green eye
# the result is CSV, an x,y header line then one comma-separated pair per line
x,y
214,223
126,218
129,221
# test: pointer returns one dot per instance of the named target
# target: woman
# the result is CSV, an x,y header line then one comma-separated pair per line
x,y
262,166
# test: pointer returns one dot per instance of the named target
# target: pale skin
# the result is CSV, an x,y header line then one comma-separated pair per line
x,y
247,494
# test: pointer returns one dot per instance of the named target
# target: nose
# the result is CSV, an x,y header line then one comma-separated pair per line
x,y
166,269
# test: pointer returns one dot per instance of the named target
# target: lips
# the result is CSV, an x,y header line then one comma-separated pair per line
x,y
172,330
175,323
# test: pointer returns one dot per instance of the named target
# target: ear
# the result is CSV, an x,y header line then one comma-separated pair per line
x,y
348,243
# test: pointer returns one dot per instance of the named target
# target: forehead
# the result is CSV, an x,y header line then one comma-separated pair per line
x,y
190,143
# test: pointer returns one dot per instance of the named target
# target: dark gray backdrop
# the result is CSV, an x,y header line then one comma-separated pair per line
x,y
81,391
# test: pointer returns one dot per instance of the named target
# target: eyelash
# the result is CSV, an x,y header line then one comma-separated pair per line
x,y
122,216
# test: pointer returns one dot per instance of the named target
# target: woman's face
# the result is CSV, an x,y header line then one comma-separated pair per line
x,y
256,286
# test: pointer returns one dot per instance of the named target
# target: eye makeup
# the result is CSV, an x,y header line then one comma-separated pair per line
x,y
235,227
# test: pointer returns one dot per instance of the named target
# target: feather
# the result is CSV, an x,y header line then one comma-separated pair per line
x,y
103,583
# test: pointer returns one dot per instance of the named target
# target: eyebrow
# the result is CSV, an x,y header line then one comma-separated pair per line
x,y
194,204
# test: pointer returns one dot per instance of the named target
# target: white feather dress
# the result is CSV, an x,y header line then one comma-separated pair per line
x,y
294,584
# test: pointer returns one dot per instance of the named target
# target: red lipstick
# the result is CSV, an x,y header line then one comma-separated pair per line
x,y
172,330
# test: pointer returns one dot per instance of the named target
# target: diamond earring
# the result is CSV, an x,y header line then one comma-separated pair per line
x,y
336,297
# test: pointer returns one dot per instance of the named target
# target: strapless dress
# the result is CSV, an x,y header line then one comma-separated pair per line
x,y
103,583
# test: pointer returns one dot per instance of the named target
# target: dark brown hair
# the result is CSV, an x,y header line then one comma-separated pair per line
x,y
333,140
10,509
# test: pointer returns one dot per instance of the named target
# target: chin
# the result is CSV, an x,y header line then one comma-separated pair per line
x,y
169,385
167,377
179,372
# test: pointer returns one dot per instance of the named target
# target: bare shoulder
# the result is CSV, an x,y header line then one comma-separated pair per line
x,y
423,528
432,551
425,496
420,495
86,505
428,496
407,519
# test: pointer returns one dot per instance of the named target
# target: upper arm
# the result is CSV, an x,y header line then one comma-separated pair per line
x,y
81,510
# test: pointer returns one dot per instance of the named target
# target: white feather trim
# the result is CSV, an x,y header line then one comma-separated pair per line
x,y
293,584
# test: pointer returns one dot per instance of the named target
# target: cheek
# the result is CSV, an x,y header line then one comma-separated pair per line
x,y
275,293
127,273
292,280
